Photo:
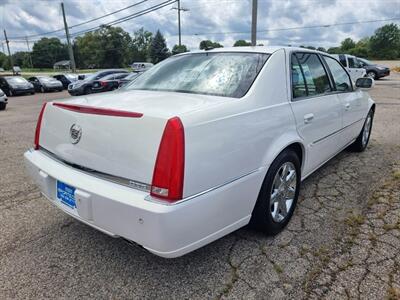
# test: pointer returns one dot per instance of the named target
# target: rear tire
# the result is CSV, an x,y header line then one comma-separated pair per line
x,y
10,93
361,143
278,195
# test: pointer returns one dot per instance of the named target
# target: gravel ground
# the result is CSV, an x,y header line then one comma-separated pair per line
x,y
343,240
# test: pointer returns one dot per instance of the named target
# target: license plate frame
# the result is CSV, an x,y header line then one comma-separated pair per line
x,y
66,194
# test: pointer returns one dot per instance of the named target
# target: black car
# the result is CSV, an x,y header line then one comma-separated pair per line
x,y
84,87
374,71
16,85
128,79
108,83
45,84
66,79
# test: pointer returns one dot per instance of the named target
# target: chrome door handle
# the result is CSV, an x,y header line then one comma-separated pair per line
x,y
308,118
347,106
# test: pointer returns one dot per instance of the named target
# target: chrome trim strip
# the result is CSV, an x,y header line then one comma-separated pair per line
x,y
335,132
137,185
155,200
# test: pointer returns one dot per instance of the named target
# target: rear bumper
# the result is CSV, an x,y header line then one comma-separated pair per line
x,y
165,230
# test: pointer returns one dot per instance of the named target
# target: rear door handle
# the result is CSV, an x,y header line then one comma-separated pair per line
x,y
347,106
308,118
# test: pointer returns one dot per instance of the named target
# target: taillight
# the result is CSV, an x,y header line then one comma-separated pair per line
x,y
169,169
38,126
103,83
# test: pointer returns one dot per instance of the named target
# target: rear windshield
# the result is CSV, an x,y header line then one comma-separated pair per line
x,y
228,74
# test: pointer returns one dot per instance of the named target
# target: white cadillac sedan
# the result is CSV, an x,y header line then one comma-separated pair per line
x,y
200,145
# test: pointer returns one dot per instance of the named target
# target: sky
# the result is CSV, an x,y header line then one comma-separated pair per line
x,y
224,21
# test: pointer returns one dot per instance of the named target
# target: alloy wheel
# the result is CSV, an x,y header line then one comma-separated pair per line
x,y
283,192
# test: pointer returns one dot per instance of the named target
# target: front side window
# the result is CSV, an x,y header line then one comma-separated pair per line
x,y
340,76
317,81
227,74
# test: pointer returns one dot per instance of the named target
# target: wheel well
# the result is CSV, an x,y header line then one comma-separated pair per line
x,y
298,149
373,107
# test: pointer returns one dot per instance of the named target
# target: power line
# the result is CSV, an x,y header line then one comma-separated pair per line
x,y
300,27
127,18
80,24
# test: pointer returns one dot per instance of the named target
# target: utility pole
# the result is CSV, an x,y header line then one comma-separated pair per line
x,y
29,51
71,52
254,23
9,53
179,9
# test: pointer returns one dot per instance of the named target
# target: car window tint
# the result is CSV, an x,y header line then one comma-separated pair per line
x,y
317,81
298,83
340,76
342,60
352,63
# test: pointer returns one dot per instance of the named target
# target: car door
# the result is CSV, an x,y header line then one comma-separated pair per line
x,y
353,104
316,108
355,70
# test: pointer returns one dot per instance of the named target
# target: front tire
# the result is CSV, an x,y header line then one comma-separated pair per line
x,y
42,89
3,106
372,75
278,196
361,143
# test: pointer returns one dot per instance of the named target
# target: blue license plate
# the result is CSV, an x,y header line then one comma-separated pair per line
x,y
66,194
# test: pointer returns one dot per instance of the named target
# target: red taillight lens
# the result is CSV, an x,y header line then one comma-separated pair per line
x,y
38,126
103,83
169,169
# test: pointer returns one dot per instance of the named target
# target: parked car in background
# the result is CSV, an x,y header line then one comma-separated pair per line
x,y
66,79
200,145
350,62
141,66
373,70
128,79
84,87
108,83
16,85
46,84
3,100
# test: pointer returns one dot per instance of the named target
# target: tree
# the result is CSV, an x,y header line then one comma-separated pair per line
x,y
322,49
207,44
361,49
107,47
385,43
47,51
139,50
179,49
335,50
158,49
21,59
3,59
241,43
347,44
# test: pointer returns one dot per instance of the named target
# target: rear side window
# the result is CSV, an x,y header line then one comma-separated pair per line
x,y
316,79
340,76
352,63
342,60
298,83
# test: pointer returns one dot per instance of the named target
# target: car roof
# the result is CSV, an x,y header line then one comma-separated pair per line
x,y
256,49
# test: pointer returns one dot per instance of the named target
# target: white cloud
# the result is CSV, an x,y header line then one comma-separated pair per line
x,y
208,18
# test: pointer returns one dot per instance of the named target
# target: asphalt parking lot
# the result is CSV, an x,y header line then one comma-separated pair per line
x,y
343,241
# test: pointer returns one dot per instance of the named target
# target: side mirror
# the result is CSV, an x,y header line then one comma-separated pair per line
x,y
365,83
